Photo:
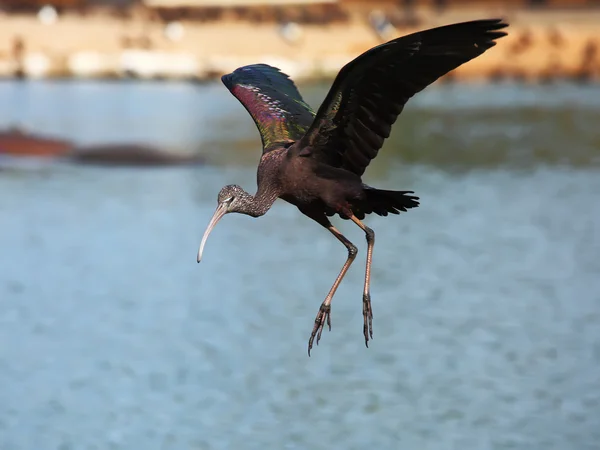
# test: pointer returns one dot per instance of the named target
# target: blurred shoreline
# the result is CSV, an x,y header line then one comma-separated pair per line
x,y
542,45
462,126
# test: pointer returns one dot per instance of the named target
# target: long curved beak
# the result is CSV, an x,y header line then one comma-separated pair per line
x,y
220,212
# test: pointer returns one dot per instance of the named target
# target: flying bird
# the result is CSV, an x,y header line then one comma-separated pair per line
x,y
316,160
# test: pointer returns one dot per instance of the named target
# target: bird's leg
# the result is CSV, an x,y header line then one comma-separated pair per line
x,y
367,310
325,309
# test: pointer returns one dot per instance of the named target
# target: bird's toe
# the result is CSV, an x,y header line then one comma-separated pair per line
x,y
368,318
323,316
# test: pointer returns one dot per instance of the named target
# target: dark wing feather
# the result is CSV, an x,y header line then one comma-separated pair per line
x,y
370,92
273,101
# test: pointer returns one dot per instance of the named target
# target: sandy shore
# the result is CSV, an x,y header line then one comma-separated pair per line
x,y
540,45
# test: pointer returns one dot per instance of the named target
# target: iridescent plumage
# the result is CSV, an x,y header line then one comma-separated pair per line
x,y
273,101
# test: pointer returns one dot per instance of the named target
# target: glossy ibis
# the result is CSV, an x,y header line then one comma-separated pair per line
x,y
315,160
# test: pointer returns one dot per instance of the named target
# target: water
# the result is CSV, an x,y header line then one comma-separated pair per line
x,y
486,298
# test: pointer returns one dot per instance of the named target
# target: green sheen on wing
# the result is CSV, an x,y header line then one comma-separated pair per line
x,y
273,101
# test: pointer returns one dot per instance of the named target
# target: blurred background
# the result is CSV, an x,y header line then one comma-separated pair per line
x,y
115,138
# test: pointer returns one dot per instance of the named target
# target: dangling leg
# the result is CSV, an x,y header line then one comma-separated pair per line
x,y
367,310
325,309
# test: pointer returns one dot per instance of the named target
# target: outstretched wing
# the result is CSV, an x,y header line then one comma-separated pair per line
x,y
273,101
370,92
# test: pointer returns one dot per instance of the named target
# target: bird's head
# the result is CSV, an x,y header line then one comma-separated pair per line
x,y
230,196
230,199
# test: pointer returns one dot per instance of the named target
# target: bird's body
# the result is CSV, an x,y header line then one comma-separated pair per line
x,y
315,161
316,187
303,181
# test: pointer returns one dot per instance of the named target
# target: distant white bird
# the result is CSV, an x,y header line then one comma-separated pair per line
x,y
47,15
291,32
174,31
381,25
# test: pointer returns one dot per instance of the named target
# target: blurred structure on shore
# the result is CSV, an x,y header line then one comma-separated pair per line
x,y
17,143
202,39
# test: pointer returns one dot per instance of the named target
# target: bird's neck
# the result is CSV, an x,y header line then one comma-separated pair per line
x,y
258,204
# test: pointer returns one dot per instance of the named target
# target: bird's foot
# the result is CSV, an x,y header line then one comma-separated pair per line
x,y
324,315
368,318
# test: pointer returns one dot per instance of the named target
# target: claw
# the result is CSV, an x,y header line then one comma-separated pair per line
x,y
368,318
322,316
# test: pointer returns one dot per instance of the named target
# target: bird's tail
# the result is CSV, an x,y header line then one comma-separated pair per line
x,y
382,202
